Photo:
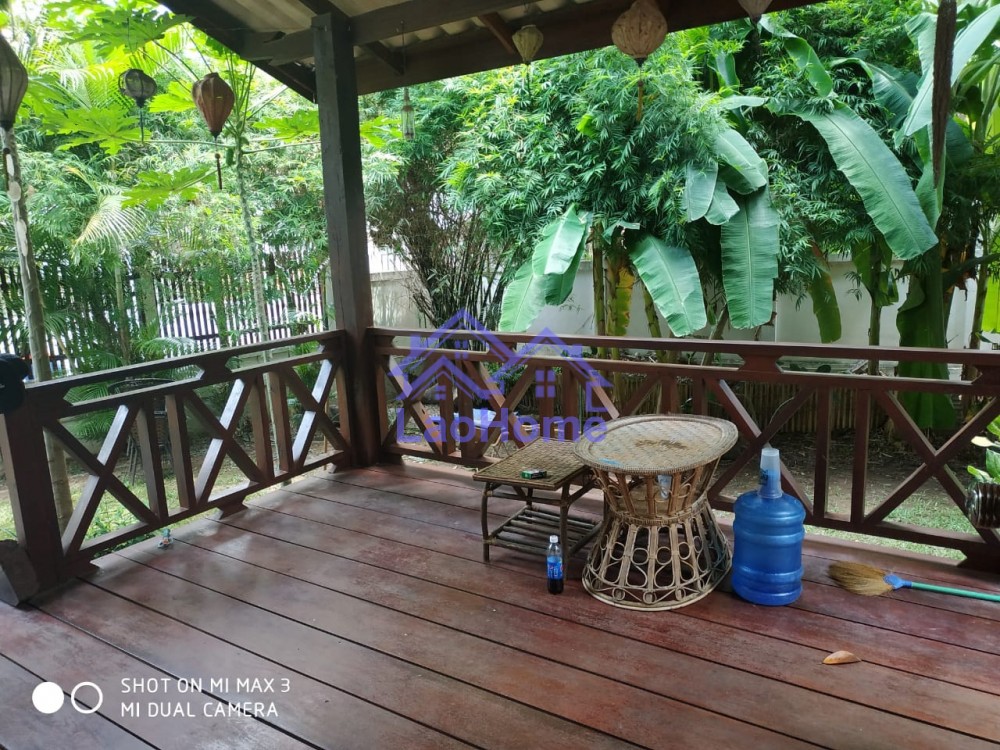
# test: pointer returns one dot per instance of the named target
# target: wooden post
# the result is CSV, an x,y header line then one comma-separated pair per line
x,y
343,190
22,446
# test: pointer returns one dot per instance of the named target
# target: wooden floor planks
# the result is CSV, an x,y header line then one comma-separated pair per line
x,y
366,591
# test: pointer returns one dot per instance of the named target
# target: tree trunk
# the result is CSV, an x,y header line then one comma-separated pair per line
x,y
257,280
600,319
655,327
124,340
34,319
256,274
720,326
875,312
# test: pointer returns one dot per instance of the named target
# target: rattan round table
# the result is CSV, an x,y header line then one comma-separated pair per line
x,y
660,546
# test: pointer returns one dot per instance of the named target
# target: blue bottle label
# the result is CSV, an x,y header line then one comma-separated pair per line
x,y
555,569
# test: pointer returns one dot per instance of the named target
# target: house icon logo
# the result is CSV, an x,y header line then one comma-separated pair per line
x,y
436,366
547,343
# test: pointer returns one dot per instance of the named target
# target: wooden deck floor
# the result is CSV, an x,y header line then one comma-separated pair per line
x,y
358,610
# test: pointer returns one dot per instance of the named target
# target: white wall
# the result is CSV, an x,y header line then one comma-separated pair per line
x,y
799,325
794,324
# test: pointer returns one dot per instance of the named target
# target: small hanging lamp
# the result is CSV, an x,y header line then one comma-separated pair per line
x,y
409,121
13,84
214,100
527,41
638,33
140,88
755,8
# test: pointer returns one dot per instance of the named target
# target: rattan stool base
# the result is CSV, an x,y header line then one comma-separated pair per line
x,y
653,564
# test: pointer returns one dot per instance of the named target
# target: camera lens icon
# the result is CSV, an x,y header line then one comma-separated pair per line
x,y
48,697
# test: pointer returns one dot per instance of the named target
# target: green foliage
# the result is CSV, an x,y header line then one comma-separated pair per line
x,y
547,277
671,277
877,175
991,458
967,43
749,260
154,189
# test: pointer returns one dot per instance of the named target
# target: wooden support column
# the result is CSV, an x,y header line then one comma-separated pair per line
x,y
343,190
22,446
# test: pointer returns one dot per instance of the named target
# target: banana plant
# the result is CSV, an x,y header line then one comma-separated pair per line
x,y
729,191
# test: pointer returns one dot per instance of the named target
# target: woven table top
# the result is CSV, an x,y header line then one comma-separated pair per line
x,y
657,444
554,456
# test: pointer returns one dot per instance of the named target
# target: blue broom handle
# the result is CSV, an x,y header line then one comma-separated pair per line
x,y
956,592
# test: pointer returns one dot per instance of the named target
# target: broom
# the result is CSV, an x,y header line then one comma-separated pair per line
x,y
859,578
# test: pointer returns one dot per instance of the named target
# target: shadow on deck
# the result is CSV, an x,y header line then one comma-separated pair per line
x,y
354,609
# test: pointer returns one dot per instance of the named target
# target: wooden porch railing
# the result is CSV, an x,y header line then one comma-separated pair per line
x,y
584,388
272,414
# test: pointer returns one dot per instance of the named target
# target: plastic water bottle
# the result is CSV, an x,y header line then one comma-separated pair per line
x,y
553,556
767,555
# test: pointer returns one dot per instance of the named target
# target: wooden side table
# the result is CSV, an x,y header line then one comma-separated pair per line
x,y
660,546
529,529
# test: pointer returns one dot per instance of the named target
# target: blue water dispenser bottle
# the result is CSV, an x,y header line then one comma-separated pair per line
x,y
767,554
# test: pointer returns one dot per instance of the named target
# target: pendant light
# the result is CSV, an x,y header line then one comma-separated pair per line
x,y
638,33
408,120
214,100
140,88
13,84
527,41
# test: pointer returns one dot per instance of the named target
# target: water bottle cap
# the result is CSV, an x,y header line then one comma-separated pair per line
x,y
554,539
770,473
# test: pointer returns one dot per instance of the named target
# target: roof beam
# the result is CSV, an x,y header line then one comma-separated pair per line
x,y
223,27
571,29
387,22
496,24
393,59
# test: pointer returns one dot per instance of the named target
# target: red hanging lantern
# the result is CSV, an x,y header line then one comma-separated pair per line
x,y
214,99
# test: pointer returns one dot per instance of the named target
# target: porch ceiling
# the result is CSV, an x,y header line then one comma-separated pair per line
x,y
405,42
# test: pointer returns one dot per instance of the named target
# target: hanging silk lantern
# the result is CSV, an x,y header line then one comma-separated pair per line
x,y
140,88
13,84
214,99
528,40
638,33
409,125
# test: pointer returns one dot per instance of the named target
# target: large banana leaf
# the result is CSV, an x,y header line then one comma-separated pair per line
x,y
562,241
723,207
547,278
803,55
747,171
528,293
699,189
738,101
750,260
671,278
875,172
991,307
966,44
523,299
893,88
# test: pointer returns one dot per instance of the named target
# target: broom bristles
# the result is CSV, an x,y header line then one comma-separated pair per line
x,y
859,578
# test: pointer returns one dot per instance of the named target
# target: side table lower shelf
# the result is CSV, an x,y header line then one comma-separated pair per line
x,y
529,529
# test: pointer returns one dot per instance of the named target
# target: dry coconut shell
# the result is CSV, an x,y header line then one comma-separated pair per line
x,y
841,657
